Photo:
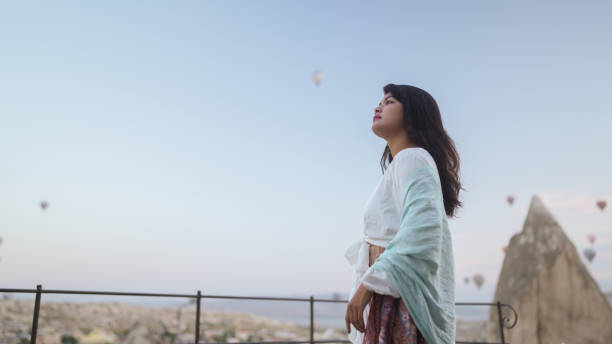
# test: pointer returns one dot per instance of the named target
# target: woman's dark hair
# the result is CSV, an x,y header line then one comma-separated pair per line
x,y
423,123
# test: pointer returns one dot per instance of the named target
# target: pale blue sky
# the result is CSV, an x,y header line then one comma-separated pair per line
x,y
184,146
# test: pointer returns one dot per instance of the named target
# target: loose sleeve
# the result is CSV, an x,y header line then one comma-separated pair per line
x,y
379,282
376,279
413,257
419,197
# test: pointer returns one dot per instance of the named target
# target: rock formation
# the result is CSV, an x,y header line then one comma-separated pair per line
x,y
548,285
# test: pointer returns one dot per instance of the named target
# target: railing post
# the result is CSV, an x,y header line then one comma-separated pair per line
x,y
311,319
501,323
36,312
197,334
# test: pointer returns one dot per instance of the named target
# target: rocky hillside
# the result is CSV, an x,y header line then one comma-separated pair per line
x,y
116,322
544,278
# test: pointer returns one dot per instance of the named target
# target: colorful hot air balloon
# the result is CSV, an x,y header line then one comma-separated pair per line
x,y
466,280
589,253
478,280
591,238
601,204
318,77
510,199
44,205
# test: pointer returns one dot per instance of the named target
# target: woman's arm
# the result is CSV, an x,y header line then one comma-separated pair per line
x,y
375,251
375,280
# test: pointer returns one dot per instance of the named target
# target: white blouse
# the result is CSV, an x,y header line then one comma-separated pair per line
x,y
381,222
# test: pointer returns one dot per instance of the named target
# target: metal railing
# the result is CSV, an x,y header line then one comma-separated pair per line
x,y
504,322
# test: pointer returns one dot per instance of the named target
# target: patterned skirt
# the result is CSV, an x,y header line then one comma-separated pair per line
x,y
389,321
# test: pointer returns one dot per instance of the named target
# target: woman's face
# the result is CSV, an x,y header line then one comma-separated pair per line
x,y
388,117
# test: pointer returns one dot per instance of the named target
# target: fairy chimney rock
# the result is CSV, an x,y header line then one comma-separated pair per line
x,y
546,282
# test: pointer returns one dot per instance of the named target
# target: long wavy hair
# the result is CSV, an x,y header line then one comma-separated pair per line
x,y
423,123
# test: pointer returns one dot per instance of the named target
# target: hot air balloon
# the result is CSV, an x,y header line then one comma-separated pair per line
x,y
591,238
0,240
478,280
601,204
318,77
466,280
44,205
589,253
510,199
505,248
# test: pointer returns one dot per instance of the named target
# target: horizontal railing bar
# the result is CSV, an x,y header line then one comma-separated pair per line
x,y
268,298
475,304
84,292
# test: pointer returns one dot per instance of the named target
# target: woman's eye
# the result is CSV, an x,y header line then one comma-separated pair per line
x,y
388,101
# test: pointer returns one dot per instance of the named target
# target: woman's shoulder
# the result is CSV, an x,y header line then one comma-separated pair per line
x,y
411,158
415,168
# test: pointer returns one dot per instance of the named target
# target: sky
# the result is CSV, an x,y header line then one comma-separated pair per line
x,y
183,146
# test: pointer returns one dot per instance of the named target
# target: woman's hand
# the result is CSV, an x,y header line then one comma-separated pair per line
x,y
355,308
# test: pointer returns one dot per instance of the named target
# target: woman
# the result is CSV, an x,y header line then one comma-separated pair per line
x,y
403,282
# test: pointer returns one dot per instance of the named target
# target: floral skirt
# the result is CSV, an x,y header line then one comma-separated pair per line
x,y
390,322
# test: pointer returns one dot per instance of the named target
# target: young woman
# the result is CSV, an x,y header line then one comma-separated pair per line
x,y
403,280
